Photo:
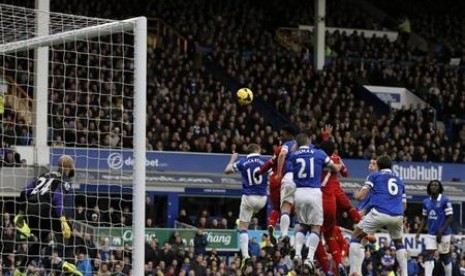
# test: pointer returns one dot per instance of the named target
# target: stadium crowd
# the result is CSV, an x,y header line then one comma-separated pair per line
x,y
178,256
192,108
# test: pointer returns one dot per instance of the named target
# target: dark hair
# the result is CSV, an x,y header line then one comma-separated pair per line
x,y
384,162
328,147
428,188
302,140
290,129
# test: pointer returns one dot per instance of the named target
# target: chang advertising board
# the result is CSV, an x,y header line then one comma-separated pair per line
x,y
120,237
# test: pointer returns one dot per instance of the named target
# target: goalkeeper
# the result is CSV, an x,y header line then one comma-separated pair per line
x,y
42,202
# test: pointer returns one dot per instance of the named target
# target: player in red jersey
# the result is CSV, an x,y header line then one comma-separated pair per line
x,y
329,185
287,135
275,190
342,201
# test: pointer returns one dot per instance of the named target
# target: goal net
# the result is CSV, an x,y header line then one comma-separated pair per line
x,y
71,85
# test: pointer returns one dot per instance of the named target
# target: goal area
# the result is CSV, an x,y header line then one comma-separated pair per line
x,y
76,86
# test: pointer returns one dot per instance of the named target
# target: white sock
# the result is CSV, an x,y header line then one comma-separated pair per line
x,y
356,256
401,255
244,243
312,240
447,269
284,224
299,243
429,266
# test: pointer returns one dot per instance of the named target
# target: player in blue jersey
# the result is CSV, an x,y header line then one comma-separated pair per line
x,y
438,215
254,195
306,165
288,145
388,203
41,211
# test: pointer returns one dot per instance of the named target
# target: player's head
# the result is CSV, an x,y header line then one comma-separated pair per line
x,y
302,140
287,132
434,187
328,147
373,166
254,148
384,162
66,165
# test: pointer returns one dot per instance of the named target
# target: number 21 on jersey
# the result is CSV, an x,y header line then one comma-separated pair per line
x,y
304,170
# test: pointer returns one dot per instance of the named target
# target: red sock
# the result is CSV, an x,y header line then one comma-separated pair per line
x,y
322,258
273,218
334,250
355,215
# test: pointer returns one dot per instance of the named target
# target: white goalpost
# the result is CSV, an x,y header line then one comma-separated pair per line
x,y
77,86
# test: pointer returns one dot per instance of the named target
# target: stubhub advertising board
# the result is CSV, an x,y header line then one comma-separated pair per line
x,y
106,159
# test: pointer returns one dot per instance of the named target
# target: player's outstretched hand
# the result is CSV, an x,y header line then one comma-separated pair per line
x,y
234,156
65,229
328,129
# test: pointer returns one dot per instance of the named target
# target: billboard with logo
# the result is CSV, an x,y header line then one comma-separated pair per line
x,y
120,237
122,160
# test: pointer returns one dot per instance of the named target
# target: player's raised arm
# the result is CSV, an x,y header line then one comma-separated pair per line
x,y
281,159
343,171
266,167
230,166
287,134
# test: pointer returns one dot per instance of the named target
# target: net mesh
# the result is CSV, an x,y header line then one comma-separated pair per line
x,y
90,117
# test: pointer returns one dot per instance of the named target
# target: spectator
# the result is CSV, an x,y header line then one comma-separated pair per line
x,y
412,266
254,247
80,214
255,224
200,242
11,159
83,264
151,253
184,218
167,254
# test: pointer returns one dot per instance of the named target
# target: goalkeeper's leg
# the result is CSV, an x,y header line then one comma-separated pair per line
x,y
62,235
26,232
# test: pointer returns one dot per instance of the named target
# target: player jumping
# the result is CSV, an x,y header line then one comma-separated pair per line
x,y
41,211
330,183
282,200
388,202
306,166
253,194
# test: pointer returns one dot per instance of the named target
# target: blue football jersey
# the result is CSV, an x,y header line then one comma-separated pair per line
x,y
387,192
307,165
365,203
252,183
436,212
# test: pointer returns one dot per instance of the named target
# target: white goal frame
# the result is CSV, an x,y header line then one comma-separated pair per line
x,y
139,28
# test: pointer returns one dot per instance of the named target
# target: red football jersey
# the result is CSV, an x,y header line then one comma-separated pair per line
x,y
330,179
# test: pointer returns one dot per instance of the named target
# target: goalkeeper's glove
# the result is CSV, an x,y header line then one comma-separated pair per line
x,y
22,226
65,229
